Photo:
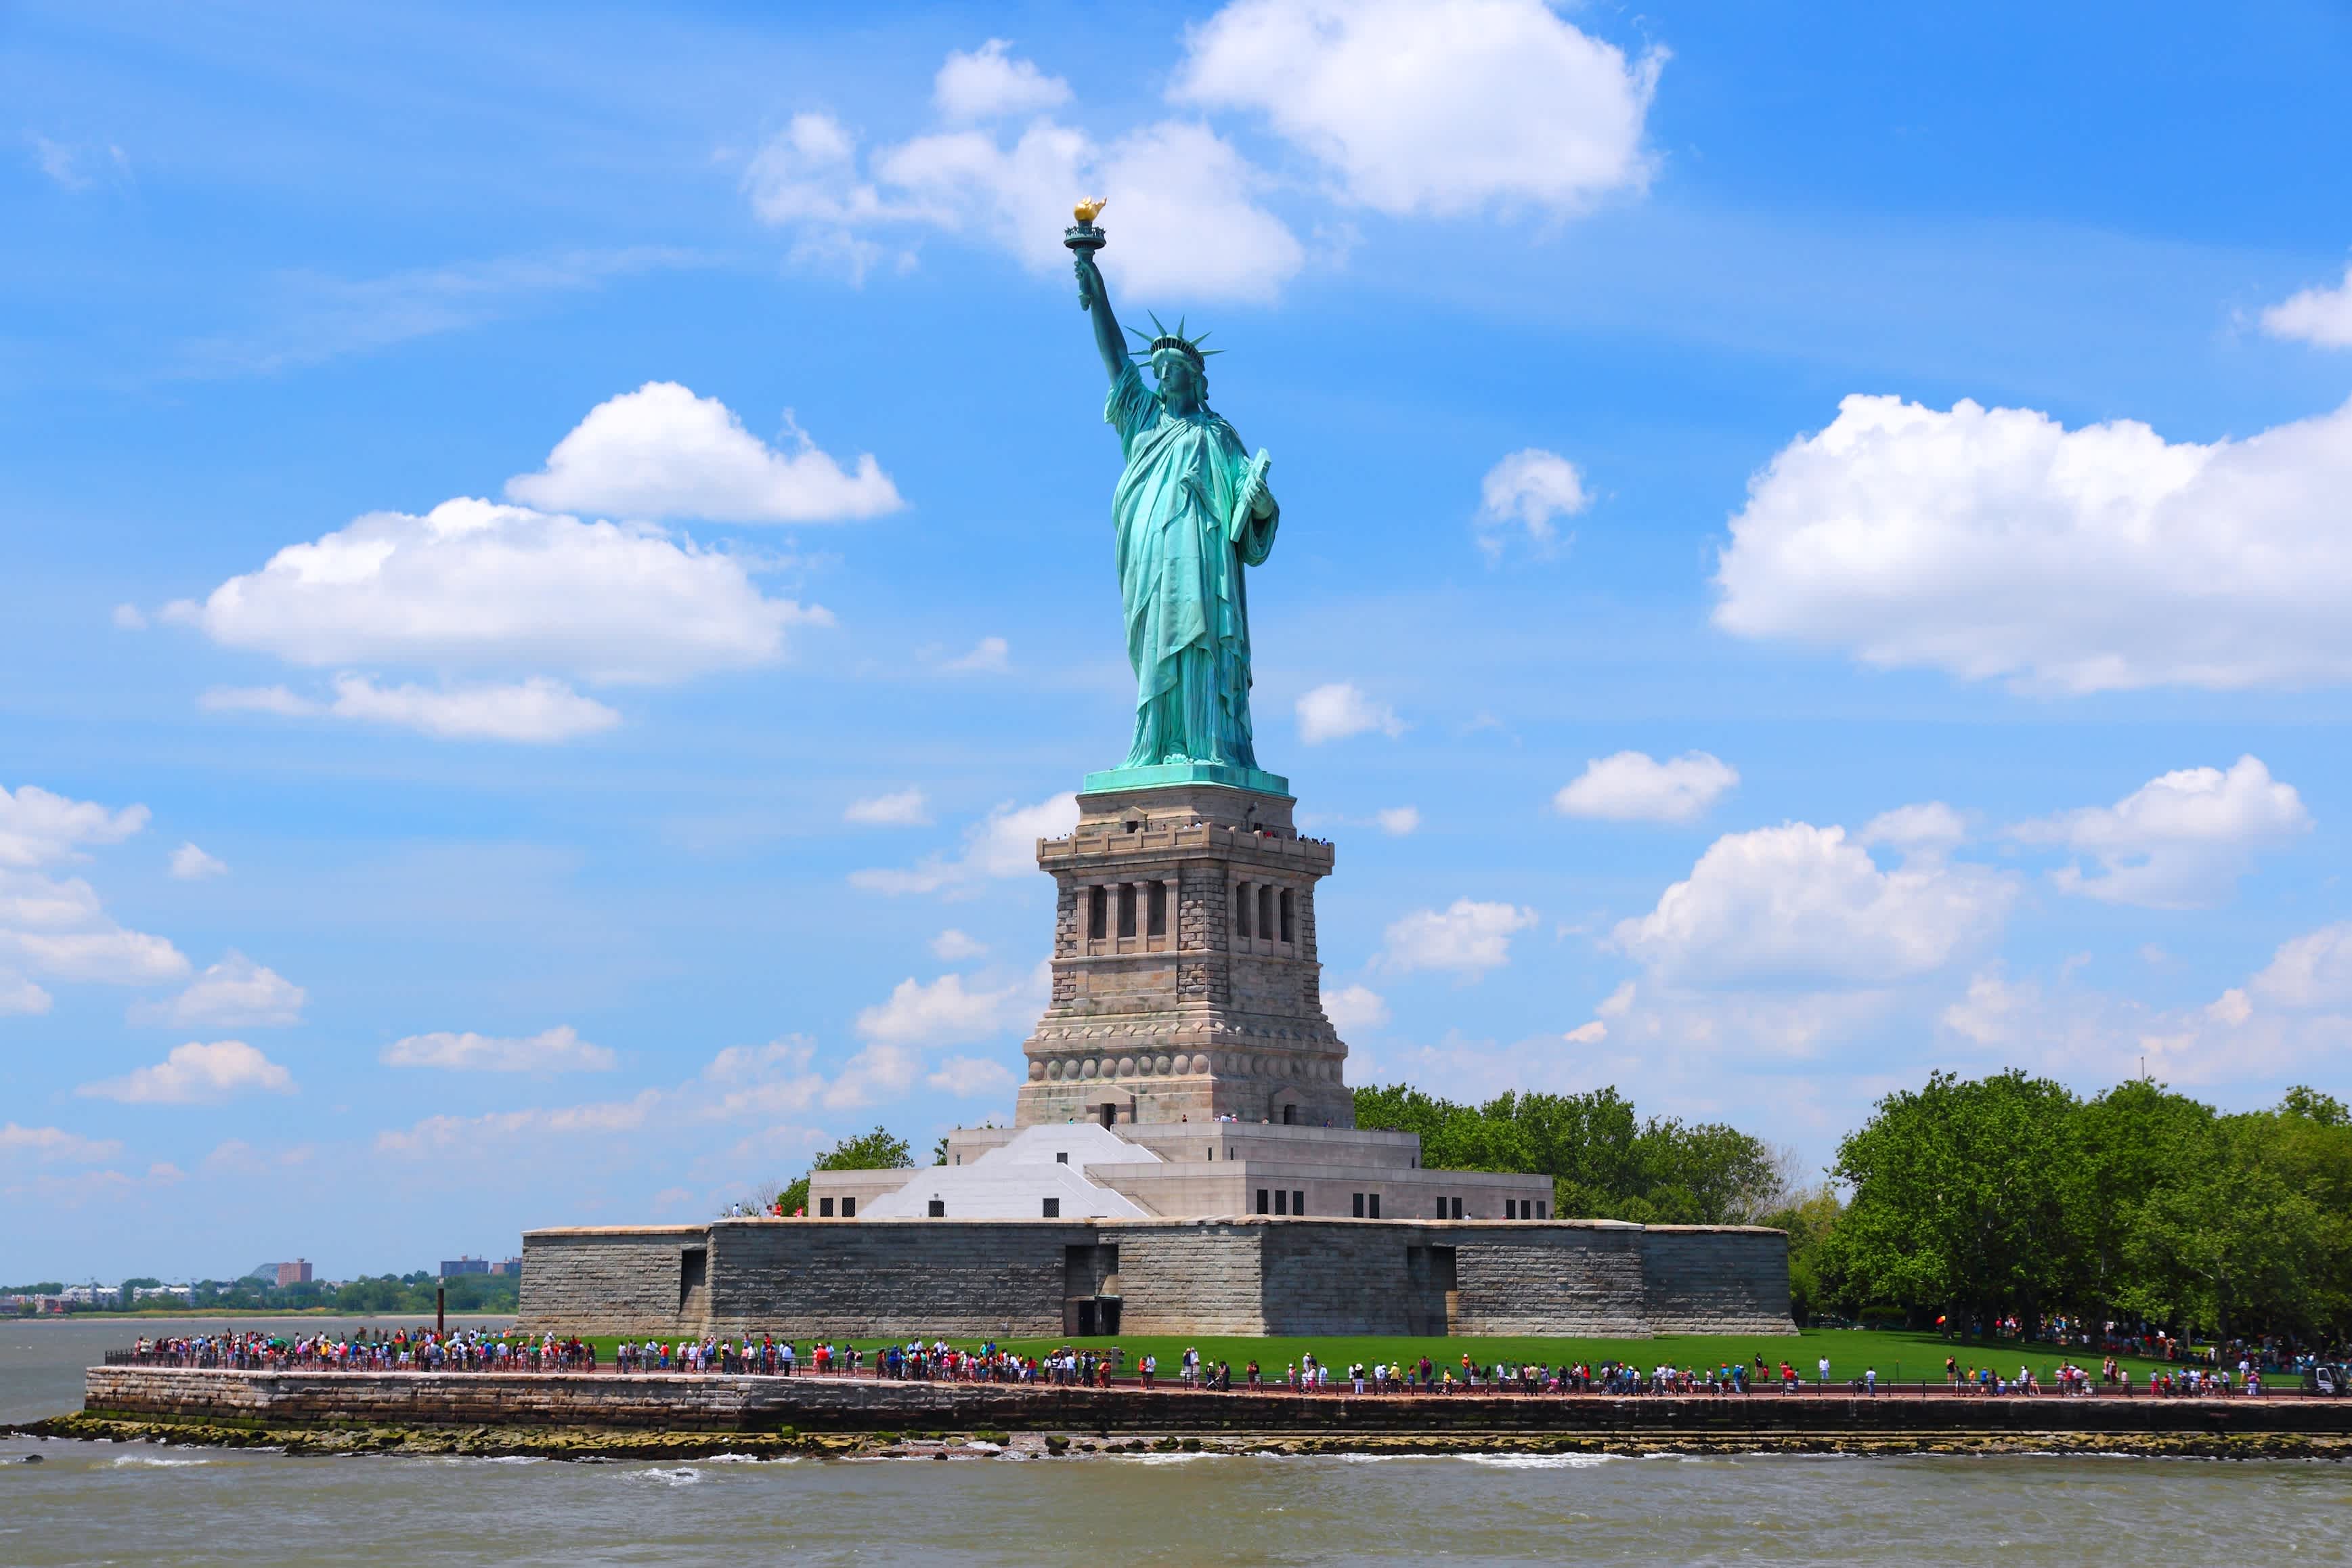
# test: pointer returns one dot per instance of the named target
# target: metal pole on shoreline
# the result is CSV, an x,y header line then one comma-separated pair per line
x,y
440,1309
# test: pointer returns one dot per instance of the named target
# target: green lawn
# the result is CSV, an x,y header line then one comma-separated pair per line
x,y
1895,1353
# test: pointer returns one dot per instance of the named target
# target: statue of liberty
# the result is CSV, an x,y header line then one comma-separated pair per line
x,y
1192,511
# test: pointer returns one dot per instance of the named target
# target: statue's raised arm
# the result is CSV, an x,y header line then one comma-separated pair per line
x,y
1110,339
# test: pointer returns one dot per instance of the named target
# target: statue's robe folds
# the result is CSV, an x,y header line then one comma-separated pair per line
x,y
1185,532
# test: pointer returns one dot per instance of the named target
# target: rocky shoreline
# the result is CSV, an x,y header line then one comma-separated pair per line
x,y
592,1445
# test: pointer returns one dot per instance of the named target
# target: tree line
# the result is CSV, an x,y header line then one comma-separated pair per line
x,y
1604,1162
2012,1196
383,1295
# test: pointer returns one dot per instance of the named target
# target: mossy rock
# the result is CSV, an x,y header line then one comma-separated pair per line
x,y
1057,1444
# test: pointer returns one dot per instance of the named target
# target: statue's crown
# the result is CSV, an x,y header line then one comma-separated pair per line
x,y
1176,342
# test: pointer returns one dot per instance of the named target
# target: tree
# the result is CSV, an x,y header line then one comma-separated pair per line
x,y
1810,1218
1604,1163
1964,1196
875,1150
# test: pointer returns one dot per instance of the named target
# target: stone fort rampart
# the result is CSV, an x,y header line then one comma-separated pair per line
x,y
1243,1277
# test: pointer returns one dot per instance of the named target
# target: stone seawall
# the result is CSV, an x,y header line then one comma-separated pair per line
x,y
675,1403
1247,1275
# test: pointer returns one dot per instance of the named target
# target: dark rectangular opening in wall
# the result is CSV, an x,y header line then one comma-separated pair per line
x,y
1443,1212
1282,1200
1290,1116
1360,1205
1540,1207
1053,1209
1458,1208
1085,1318
1243,899
1289,932
693,1273
1110,1114
1297,1201
1156,909
1095,914
1510,1208
1077,1271
1262,1201
824,1208
1265,927
849,1208
1126,908
1107,1315
938,1210
1376,1206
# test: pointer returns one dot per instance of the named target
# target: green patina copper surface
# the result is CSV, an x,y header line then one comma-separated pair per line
x,y
1159,774
1191,512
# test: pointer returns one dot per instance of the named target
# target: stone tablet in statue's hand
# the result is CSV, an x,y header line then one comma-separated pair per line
x,y
1256,501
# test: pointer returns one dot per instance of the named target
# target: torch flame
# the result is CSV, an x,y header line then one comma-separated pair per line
x,y
1089,207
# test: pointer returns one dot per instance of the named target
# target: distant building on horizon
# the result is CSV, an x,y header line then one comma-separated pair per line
x,y
450,1269
511,1267
295,1273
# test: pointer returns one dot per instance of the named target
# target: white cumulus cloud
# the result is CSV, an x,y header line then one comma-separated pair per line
x,y
1341,709
39,828
899,808
538,709
1440,107
473,584
967,1078
952,946
1995,543
190,864
58,926
1467,937
1185,202
1928,827
2319,315
662,452
991,81
2310,971
1529,489
1002,845
1803,903
945,1013
19,997
1398,820
990,656
1355,1008
195,1073
47,1144
1632,787
2180,840
560,1049
236,993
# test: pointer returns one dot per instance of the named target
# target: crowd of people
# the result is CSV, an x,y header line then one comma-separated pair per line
x,y
370,1350
494,1350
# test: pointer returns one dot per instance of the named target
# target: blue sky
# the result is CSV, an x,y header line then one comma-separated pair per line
x,y
1794,525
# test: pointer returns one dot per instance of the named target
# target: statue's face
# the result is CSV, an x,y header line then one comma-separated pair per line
x,y
1180,384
